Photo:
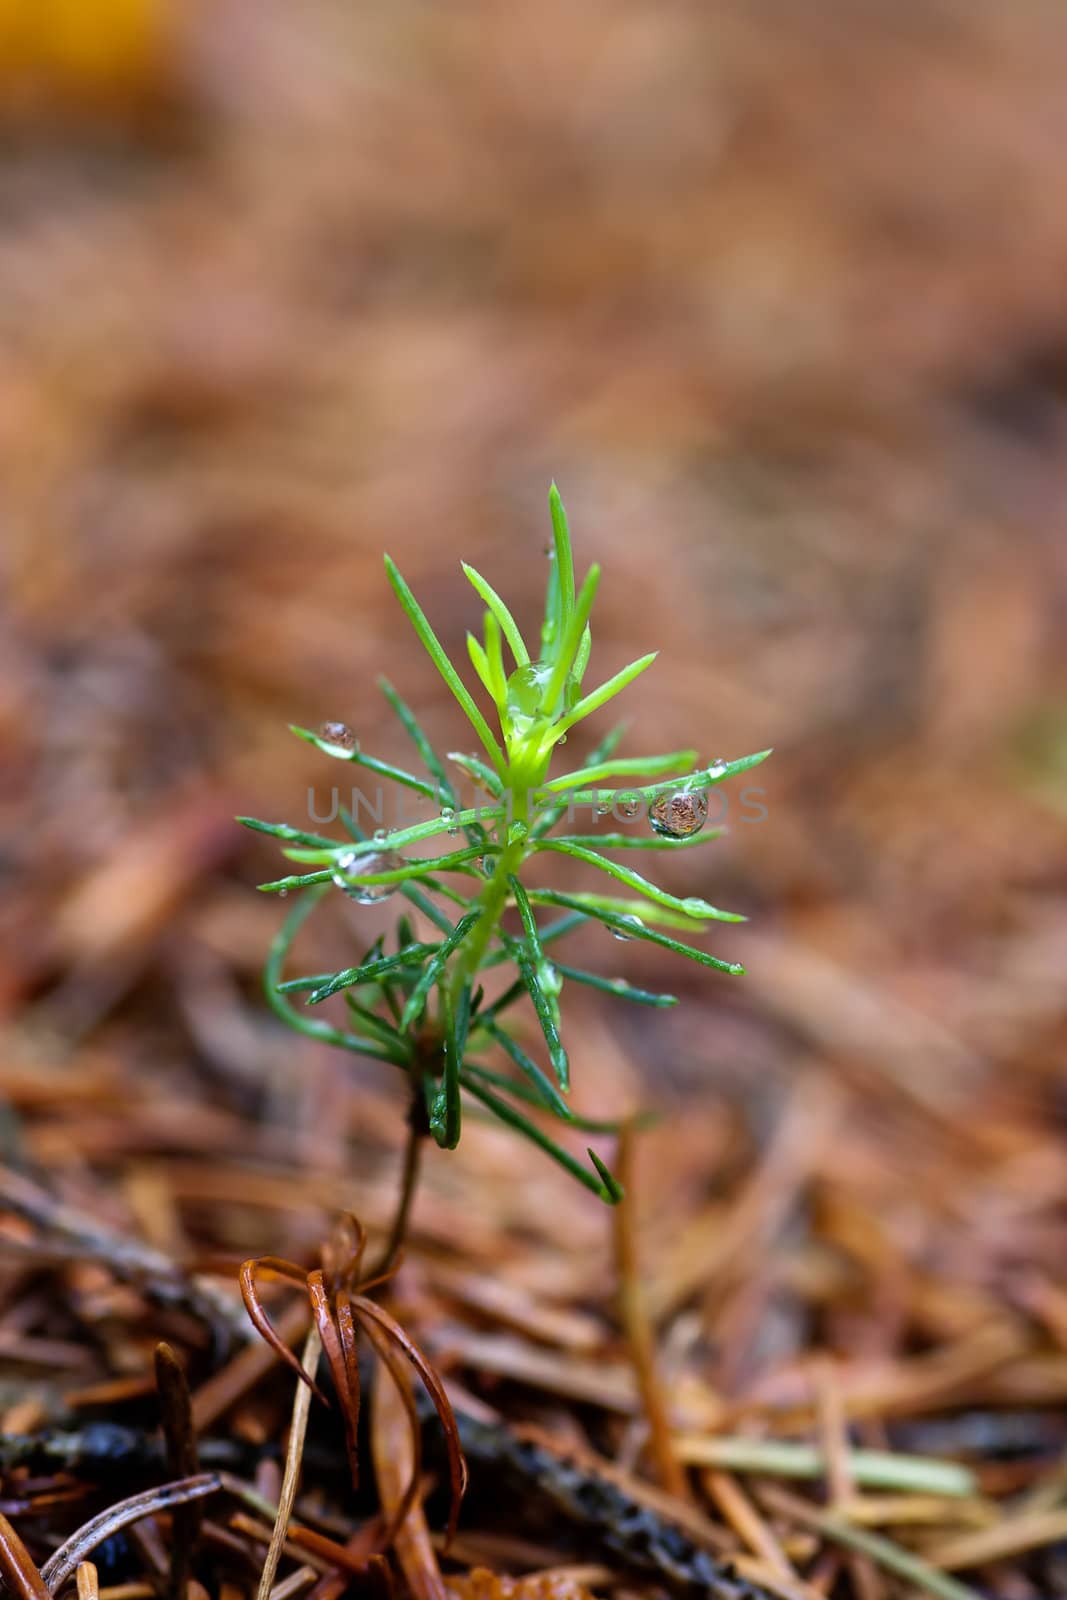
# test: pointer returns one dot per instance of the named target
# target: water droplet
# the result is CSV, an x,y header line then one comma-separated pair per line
x,y
631,922
717,767
550,979
525,688
340,737
354,864
627,807
562,739
283,894
678,814
448,814
488,864
380,835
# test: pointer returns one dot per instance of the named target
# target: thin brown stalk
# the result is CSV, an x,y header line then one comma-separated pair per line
x,y
1011,1537
362,1547
839,1480
409,1183
774,1581
633,1314
737,1509
293,1456
321,1551
88,1581
18,1567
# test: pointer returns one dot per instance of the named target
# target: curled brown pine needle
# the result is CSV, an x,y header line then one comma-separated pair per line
x,y
340,1307
64,1562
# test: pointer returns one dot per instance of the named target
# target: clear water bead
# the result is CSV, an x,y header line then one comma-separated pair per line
x,y
631,922
550,979
340,737
356,864
525,689
678,814
627,807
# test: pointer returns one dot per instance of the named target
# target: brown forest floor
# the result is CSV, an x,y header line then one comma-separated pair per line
x,y
777,295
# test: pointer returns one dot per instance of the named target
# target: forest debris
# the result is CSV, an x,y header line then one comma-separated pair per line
x,y
633,1314
62,1564
394,1465
154,1273
742,1515
562,1583
88,1581
18,1567
179,1433
293,1452
557,1326
784,1458
893,1557
1010,1537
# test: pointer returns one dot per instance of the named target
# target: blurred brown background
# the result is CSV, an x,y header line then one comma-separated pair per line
x,y
777,294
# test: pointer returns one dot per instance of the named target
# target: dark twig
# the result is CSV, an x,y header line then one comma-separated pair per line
x,y
176,1410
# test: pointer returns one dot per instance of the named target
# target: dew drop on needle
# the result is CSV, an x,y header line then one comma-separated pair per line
x,y
340,737
353,865
679,813
525,688
621,934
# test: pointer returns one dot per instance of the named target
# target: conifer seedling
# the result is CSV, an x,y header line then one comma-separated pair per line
x,y
422,1005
